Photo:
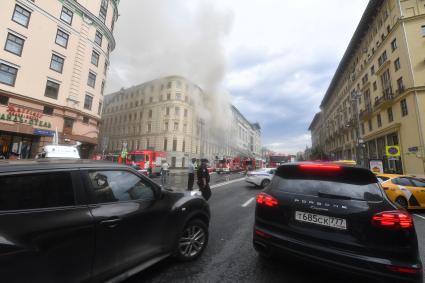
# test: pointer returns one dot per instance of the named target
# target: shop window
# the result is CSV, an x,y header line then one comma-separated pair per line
x,y
48,110
52,89
4,100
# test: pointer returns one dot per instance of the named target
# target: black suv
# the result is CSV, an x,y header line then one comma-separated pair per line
x,y
338,216
79,221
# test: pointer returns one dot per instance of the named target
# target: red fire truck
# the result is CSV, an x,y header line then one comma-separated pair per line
x,y
140,158
249,164
275,161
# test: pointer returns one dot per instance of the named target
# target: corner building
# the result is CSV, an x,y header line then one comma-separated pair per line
x,y
384,62
53,72
166,115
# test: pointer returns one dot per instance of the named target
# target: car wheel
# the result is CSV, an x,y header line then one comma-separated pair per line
x,y
265,183
401,201
193,241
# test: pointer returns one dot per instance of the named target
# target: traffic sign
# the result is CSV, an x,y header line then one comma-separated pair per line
x,y
392,151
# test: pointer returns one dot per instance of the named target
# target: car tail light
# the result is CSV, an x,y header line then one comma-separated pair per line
x,y
393,220
267,200
324,167
262,234
409,270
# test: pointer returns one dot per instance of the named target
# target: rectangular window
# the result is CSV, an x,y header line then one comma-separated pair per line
x,y
363,129
390,114
165,144
383,58
99,108
103,10
102,89
400,85
91,81
166,126
34,191
66,15
370,125
7,74
48,110
397,64
21,16
372,70
169,85
149,127
95,58
62,38
167,111
378,117
150,113
177,111
176,126
178,96
88,101
375,86
168,96
404,110
98,38
394,44
52,89
185,113
56,64
4,100
14,44
185,128
174,145
85,119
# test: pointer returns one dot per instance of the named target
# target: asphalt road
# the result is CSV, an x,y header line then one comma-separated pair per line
x,y
230,256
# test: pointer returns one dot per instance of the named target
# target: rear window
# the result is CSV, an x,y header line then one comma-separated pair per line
x,y
350,183
33,191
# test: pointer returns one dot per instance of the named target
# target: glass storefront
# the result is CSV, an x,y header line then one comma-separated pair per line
x,y
23,146
375,150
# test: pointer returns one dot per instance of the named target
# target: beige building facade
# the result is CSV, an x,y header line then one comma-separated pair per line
x,y
53,68
377,95
167,115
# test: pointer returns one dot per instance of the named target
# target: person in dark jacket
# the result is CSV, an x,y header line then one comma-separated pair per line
x,y
191,174
204,179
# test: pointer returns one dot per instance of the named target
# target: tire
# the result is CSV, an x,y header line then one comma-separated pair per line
x,y
265,183
192,241
401,201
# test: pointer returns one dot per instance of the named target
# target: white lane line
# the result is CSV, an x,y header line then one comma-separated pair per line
x,y
247,202
226,183
420,216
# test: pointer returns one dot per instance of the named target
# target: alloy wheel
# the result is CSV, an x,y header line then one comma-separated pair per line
x,y
192,241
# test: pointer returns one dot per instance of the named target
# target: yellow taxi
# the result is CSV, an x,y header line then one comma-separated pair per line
x,y
406,191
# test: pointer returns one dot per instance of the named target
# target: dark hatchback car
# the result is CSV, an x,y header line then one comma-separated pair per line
x,y
338,216
85,221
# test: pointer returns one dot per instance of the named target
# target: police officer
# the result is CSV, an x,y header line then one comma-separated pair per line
x,y
204,179
191,174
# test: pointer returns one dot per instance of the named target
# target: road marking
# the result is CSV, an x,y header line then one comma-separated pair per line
x,y
226,183
420,216
247,202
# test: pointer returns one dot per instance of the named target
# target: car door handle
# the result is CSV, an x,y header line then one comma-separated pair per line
x,y
111,222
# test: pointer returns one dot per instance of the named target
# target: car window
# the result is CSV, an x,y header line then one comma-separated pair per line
x,y
31,191
382,179
272,171
119,185
418,182
402,181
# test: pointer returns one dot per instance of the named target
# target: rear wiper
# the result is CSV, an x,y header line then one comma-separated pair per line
x,y
326,195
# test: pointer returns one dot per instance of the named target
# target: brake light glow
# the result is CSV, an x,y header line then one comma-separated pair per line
x,y
393,220
267,200
319,166
408,270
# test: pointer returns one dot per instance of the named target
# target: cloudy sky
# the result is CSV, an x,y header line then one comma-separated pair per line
x,y
273,58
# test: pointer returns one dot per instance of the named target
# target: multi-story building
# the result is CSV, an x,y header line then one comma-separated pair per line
x,y
379,83
169,114
52,72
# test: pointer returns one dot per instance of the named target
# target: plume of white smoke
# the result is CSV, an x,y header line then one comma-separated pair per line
x,y
158,38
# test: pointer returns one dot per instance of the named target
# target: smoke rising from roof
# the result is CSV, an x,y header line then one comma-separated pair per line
x,y
173,37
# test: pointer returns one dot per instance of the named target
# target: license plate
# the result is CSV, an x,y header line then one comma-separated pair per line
x,y
322,220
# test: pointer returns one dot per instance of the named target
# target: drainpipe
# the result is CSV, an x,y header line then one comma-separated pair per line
x,y
418,117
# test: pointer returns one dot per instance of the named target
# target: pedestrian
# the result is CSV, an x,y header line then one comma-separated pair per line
x,y
164,172
148,168
204,180
191,174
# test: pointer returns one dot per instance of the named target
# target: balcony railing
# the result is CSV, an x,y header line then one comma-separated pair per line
x,y
367,112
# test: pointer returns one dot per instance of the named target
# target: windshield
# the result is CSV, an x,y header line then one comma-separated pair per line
x,y
135,157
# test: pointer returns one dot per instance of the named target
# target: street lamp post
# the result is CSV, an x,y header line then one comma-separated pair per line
x,y
355,98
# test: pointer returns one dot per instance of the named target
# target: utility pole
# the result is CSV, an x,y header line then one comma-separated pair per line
x,y
355,98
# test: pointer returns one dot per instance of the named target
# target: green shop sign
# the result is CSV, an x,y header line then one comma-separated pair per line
x,y
21,119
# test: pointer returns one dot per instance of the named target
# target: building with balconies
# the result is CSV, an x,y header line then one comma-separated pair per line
x,y
53,72
385,64
166,114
